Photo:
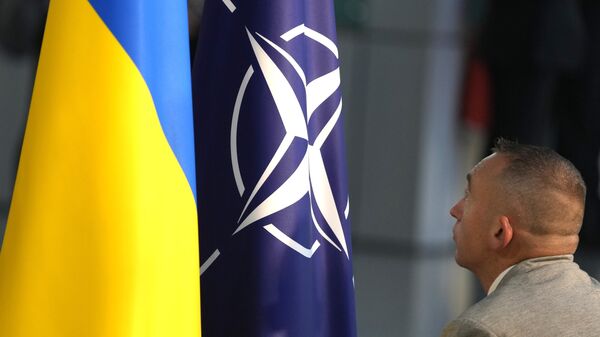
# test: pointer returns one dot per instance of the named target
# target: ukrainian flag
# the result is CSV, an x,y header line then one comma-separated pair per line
x,y
102,232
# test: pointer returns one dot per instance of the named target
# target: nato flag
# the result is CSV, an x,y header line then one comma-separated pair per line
x,y
273,200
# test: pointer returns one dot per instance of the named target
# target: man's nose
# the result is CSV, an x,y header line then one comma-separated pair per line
x,y
456,210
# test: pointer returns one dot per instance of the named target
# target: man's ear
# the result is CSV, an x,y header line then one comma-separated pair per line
x,y
503,232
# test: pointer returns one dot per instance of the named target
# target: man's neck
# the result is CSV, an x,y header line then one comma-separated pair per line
x,y
487,277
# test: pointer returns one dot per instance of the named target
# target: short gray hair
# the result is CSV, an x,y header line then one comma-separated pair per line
x,y
548,188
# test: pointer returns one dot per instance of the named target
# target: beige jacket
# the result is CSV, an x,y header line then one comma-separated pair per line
x,y
541,297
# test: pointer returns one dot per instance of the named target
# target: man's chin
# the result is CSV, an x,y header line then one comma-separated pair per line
x,y
458,260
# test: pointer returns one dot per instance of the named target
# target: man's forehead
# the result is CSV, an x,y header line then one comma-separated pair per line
x,y
491,165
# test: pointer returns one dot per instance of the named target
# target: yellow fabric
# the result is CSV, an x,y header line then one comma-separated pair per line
x,y
102,232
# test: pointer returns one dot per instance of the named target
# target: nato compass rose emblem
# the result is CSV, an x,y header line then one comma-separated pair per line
x,y
310,176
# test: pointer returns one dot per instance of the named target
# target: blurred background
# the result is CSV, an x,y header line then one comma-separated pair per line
x,y
427,84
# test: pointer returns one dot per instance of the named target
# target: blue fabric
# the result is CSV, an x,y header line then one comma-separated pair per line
x,y
134,25
258,285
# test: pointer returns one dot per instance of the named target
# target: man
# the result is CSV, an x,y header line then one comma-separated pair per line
x,y
516,229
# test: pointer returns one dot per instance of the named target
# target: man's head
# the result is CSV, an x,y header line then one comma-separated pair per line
x,y
523,201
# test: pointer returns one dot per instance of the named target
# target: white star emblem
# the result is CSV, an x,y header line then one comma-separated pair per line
x,y
310,176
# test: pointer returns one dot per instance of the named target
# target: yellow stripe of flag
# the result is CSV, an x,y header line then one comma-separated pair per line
x,y
102,232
